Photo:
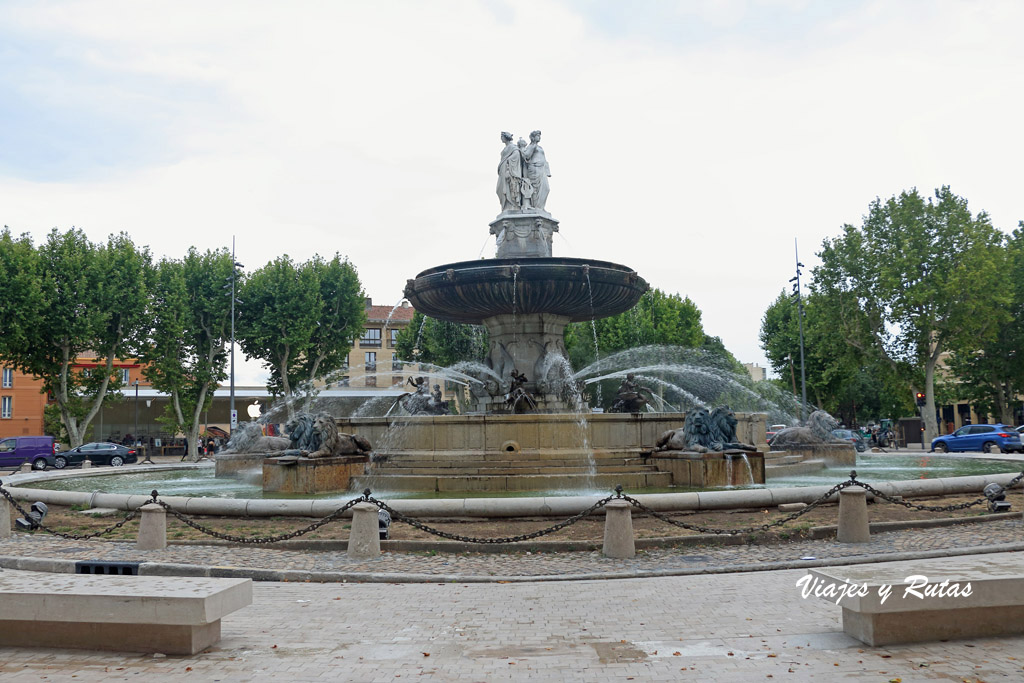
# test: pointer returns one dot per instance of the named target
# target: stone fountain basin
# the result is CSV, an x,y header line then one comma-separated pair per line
x,y
472,291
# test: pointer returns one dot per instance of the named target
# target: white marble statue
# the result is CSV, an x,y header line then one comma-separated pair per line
x,y
537,171
523,175
512,184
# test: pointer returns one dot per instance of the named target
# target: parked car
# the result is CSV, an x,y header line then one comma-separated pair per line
x,y
98,453
34,449
772,431
853,437
983,438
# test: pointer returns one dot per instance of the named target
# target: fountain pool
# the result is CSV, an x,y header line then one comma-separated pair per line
x,y
201,481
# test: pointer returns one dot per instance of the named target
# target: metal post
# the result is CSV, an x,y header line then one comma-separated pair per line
x,y
232,406
800,321
135,434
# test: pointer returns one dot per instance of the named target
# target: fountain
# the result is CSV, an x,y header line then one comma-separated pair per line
x,y
529,426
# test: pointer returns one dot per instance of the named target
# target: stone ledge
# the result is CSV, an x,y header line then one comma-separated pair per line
x,y
124,613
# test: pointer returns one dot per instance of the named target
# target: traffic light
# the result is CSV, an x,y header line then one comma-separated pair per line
x,y
920,399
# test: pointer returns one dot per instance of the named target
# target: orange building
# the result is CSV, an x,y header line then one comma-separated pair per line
x,y
22,400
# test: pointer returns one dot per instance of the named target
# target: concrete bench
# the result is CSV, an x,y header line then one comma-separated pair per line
x,y
937,599
123,613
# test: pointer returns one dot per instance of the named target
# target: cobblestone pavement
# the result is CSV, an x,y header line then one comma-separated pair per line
x,y
959,539
731,628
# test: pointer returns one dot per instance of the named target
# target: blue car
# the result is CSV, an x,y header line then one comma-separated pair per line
x,y
984,438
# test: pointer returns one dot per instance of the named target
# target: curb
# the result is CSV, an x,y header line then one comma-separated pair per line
x,y
306,576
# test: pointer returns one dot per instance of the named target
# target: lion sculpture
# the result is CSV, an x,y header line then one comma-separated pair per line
x,y
317,436
817,430
703,431
722,431
692,436
248,438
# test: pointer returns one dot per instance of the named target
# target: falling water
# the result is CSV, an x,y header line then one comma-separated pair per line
x,y
750,472
593,329
583,428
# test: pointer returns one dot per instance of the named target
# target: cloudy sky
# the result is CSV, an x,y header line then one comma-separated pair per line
x,y
693,141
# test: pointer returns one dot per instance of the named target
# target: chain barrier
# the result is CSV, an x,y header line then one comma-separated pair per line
x,y
256,540
395,514
745,530
398,516
929,508
71,537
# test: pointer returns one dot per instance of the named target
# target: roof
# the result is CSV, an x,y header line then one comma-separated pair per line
x,y
399,314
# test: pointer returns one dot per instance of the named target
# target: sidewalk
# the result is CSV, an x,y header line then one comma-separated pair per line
x,y
732,628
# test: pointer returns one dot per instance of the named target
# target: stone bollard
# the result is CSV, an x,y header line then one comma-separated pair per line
x,y
853,516
5,519
618,530
25,467
152,528
364,537
86,464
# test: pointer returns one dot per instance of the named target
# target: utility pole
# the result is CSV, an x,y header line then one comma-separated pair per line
x,y
235,265
800,318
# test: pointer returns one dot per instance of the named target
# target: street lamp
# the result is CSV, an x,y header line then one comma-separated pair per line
x,y
235,265
800,319
148,457
136,432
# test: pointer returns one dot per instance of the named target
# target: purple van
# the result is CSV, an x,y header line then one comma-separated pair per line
x,y
18,449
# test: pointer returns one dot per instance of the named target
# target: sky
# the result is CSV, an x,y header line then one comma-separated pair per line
x,y
698,142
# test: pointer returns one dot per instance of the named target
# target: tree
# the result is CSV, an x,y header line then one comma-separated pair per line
x,y
845,379
441,343
191,319
923,278
658,318
992,374
300,320
67,298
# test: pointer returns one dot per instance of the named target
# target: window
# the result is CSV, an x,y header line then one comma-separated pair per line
x,y
370,338
125,376
371,380
370,363
397,381
344,381
396,365
8,380
394,338
6,407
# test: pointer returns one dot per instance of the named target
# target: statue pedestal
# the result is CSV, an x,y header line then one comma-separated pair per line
x,y
708,470
524,234
290,474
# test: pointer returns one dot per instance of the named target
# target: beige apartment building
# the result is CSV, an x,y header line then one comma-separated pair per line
x,y
371,362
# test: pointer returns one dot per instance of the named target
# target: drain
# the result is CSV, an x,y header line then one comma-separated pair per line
x,y
110,568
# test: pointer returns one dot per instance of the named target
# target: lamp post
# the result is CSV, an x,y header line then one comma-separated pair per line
x,y
800,319
235,265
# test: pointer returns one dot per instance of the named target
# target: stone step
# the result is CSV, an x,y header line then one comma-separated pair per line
x,y
781,458
475,471
524,454
524,462
531,482
796,469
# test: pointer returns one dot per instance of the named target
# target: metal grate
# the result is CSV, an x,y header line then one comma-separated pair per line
x,y
111,568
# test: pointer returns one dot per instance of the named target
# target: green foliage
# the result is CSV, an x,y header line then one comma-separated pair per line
x,y
842,378
657,319
191,319
440,342
300,319
917,279
66,298
991,375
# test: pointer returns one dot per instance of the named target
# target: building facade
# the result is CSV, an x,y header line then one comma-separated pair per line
x,y
372,363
